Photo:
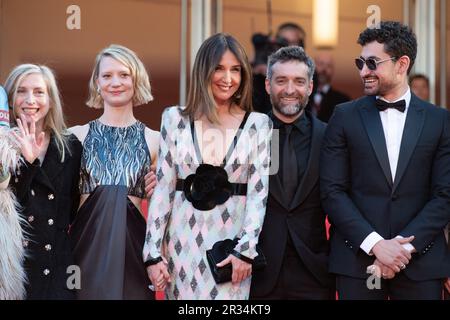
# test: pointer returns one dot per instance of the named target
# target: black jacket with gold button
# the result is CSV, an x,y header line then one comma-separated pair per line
x,y
49,198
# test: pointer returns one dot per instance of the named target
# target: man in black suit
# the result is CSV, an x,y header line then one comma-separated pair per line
x,y
385,178
326,97
293,237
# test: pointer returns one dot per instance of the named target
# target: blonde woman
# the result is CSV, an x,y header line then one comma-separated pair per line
x,y
46,185
212,179
118,150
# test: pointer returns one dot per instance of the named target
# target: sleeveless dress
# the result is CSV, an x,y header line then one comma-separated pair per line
x,y
108,232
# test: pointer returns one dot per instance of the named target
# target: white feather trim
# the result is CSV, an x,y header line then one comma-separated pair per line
x,y
12,274
9,150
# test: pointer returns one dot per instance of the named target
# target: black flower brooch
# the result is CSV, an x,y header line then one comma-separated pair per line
x,y
208,187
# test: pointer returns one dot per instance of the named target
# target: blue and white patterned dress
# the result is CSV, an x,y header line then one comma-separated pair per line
x,y
108,232
181,233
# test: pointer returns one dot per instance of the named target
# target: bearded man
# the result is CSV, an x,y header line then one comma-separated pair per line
x,y
384,177
293,237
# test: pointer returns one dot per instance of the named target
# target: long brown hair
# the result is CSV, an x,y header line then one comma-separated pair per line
x,y
200,99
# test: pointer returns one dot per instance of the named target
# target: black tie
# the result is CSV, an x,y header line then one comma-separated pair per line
x,y
290,172
383,105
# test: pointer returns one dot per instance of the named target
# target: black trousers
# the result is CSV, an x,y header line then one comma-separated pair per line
x,y
398,288
296,282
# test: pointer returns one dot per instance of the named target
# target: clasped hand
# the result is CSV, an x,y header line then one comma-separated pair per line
x,y
159,275
391,256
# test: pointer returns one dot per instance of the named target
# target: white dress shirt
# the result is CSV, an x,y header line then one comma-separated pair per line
x,y
393,122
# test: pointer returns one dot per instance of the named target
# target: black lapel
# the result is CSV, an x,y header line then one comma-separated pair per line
x,y
275,187
52,166
312,170
372,122
411,133
276,190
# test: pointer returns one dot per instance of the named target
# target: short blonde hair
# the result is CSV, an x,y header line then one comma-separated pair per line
x,y
54,120
141,81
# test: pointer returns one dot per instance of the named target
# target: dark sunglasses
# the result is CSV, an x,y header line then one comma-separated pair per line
x,y
371,63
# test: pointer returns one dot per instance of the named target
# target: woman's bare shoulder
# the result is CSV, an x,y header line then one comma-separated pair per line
x,y
80,131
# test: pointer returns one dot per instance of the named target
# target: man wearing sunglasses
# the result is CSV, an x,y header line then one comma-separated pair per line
x,y
385,178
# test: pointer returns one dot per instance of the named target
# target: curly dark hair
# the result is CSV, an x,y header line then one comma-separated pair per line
x,y
398,39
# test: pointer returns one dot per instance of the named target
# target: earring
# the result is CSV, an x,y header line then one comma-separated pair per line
x,y
98,90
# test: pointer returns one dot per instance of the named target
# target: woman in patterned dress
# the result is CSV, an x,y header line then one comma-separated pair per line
x,y
217,131
109,229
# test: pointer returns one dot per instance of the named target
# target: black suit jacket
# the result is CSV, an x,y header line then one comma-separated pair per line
x,y
302,218
49,197
360,197
329,101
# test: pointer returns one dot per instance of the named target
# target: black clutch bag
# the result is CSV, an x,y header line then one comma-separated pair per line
x,y
220,251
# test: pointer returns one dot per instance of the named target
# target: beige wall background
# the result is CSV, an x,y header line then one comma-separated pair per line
x,y
445,69
35,31
244,19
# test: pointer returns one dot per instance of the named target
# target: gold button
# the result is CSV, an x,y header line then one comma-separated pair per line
x,y
48,247
46,272
16,180
32,192
51,196
50,222
30,219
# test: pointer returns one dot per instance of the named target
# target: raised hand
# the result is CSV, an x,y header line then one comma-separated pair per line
x,y
30,145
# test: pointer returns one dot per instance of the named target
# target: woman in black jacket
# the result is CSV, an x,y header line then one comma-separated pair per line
x,y
46,185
